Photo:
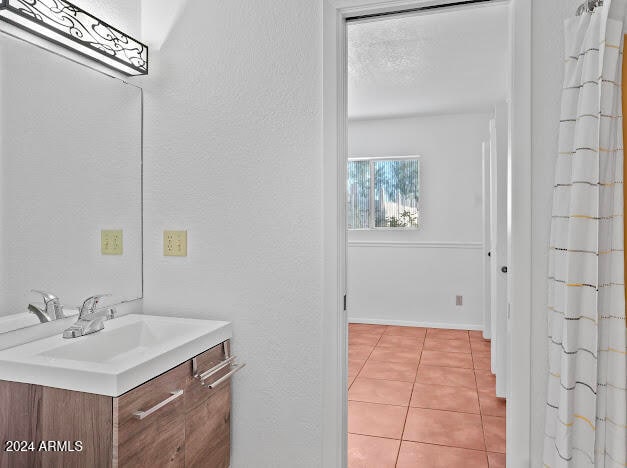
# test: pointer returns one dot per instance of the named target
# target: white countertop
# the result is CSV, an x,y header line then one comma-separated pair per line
x,y
129,351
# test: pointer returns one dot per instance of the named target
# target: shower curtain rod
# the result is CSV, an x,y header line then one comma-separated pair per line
x,y
422,8
588,6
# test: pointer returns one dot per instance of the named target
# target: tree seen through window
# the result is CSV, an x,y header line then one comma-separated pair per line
x,y
383,193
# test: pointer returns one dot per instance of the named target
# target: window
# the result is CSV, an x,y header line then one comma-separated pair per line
x,y
383,193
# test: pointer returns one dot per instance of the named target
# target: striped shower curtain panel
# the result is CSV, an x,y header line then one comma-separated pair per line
x,y
586,410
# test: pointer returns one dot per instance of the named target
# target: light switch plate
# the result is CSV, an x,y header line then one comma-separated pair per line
x,y
111,242
175,243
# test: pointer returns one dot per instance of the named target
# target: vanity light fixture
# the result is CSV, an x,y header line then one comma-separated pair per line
x,y
73,28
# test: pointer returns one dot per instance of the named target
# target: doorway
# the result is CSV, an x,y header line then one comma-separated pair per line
x,y
336,14
422,382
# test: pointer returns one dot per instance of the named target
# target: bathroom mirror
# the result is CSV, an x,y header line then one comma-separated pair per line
x,y
70,167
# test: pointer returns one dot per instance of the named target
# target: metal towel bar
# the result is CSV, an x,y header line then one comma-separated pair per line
x,y
236,368
215,369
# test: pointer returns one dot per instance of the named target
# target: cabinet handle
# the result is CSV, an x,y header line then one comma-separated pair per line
x,y
205,375
144,414
236,368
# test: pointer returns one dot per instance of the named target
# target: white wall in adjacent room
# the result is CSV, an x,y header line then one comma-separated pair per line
x,y
414,276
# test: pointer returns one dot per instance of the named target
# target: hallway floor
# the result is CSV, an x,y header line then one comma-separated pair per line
x,y
422,397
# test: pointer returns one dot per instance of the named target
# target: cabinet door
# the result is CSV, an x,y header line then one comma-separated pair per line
x,y
149,423
76,416
208,430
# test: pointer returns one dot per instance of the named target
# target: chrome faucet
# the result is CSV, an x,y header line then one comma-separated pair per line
x,y
52,309
90,318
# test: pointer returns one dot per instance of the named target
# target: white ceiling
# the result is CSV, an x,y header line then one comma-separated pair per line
x,y
450,61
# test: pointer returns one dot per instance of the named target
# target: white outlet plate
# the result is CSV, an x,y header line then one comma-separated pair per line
x,y
175,243
111,242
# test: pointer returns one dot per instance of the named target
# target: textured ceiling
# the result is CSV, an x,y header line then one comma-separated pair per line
x,y
451,61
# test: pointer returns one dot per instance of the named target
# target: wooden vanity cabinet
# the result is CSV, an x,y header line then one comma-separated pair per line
x,y
170,421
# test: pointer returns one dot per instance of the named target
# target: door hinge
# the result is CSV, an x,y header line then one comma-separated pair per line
x,y
344,301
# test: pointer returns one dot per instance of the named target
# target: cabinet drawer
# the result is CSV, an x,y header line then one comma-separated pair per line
x,y
196,392
149,422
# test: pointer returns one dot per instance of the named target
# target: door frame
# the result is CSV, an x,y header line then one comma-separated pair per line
x,y
487,241
334,332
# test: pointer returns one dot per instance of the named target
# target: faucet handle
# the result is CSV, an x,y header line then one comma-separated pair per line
x,y
89,304
53,309
48,297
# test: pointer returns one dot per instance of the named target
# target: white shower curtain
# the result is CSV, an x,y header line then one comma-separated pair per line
x,y
586,401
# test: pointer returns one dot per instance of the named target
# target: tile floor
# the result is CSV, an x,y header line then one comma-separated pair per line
x,y
422,397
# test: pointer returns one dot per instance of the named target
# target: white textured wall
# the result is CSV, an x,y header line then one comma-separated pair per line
x,y
71,166
124,15
233,154
418,283
547,73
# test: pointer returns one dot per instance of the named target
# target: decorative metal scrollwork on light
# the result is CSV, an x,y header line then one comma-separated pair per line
x,y
71,27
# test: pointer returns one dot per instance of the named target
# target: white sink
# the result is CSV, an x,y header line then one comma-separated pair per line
x,y
128,352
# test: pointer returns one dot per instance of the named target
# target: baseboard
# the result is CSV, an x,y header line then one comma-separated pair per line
x,y
404,323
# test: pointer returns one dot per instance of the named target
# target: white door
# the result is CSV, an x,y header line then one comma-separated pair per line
x,y
499,249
